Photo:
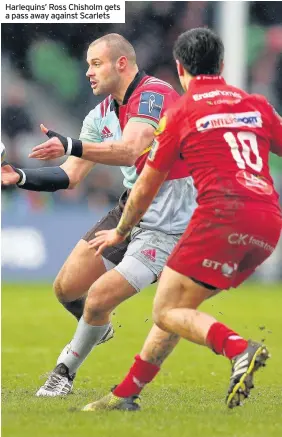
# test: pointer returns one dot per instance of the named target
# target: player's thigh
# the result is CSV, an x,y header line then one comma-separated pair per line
x,y
114,254
78,273
146,256
178,291
205,254
107,292
82,267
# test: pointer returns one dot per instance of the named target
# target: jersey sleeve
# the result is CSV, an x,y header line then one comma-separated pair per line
x,y
90,128
276,143
165,149
148,106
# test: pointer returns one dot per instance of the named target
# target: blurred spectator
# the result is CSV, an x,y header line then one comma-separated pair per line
x,y
15,118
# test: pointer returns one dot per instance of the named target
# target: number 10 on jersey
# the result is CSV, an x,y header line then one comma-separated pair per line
x,y
248,141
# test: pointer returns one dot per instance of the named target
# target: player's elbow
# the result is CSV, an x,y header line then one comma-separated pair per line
x,y
131,155
73,180
130,160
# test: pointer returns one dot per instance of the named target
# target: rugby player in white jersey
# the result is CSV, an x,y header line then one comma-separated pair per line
x,y
119,132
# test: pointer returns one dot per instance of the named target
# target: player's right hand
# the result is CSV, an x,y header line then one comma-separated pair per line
x,y
8,175
105,239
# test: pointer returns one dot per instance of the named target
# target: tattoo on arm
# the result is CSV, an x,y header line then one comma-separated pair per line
x,y
129,218
141,196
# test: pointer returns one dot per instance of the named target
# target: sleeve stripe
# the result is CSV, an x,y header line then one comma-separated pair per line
x,y
144,120
156,81
107,103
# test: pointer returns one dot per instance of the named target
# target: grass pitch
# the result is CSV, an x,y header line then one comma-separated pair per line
x,y
186,399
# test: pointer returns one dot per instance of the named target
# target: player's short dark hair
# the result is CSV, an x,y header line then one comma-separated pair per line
x,y
200,51
119,46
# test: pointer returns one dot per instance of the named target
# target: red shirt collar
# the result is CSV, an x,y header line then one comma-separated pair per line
x,y
205,80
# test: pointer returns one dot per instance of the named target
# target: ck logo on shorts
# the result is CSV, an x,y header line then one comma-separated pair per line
x,y
151,104
238,239
246,239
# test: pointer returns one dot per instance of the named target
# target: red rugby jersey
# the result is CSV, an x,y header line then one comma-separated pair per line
x,y
224,135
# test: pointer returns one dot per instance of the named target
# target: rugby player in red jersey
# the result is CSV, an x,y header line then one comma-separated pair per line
x,y
224,135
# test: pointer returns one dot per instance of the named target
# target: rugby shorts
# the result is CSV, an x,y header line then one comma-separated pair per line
x,y
223,250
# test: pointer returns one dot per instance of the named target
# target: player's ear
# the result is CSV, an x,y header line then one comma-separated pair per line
x,y
122,63
180,68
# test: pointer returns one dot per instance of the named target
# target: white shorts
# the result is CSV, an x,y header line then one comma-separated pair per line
x,y
145,257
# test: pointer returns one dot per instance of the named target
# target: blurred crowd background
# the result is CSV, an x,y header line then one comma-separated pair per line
x,y
43,80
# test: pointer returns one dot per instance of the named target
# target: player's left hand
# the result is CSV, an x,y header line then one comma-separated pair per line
x,y
50,149
105,239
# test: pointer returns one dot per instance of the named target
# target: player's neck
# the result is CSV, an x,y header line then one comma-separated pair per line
x,y
187,79
126,80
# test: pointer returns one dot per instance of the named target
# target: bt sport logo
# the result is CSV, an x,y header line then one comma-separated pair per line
x,y
215,121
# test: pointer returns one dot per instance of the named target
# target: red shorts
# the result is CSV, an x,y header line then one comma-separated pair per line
x,y
224,250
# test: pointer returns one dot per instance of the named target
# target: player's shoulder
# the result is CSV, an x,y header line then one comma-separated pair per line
x,y
101,110
153,84
180,105
262,104
176,111
105,106
257,98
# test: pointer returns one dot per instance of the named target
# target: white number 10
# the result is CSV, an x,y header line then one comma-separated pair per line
x,y
245,157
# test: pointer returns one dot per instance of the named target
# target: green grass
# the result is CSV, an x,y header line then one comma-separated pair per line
x,y
186,399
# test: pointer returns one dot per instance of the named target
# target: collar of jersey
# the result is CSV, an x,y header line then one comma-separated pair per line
x,y
131,88
206,80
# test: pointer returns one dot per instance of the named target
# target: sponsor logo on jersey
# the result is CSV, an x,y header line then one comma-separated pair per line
x,y
209,78
106,133
151,104
216,93
254,183
153,150
242,119
223,102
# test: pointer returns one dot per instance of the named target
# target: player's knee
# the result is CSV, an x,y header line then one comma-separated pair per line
x,y
159,317
58,290
98,304
60,287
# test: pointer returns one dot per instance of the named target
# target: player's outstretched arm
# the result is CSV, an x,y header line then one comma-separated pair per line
x,y
144,190
137,137
49,179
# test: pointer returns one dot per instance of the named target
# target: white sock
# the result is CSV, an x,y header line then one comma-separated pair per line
x,y
85,338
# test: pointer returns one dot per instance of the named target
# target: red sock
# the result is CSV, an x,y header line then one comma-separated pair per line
x,y
224,341
140,374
